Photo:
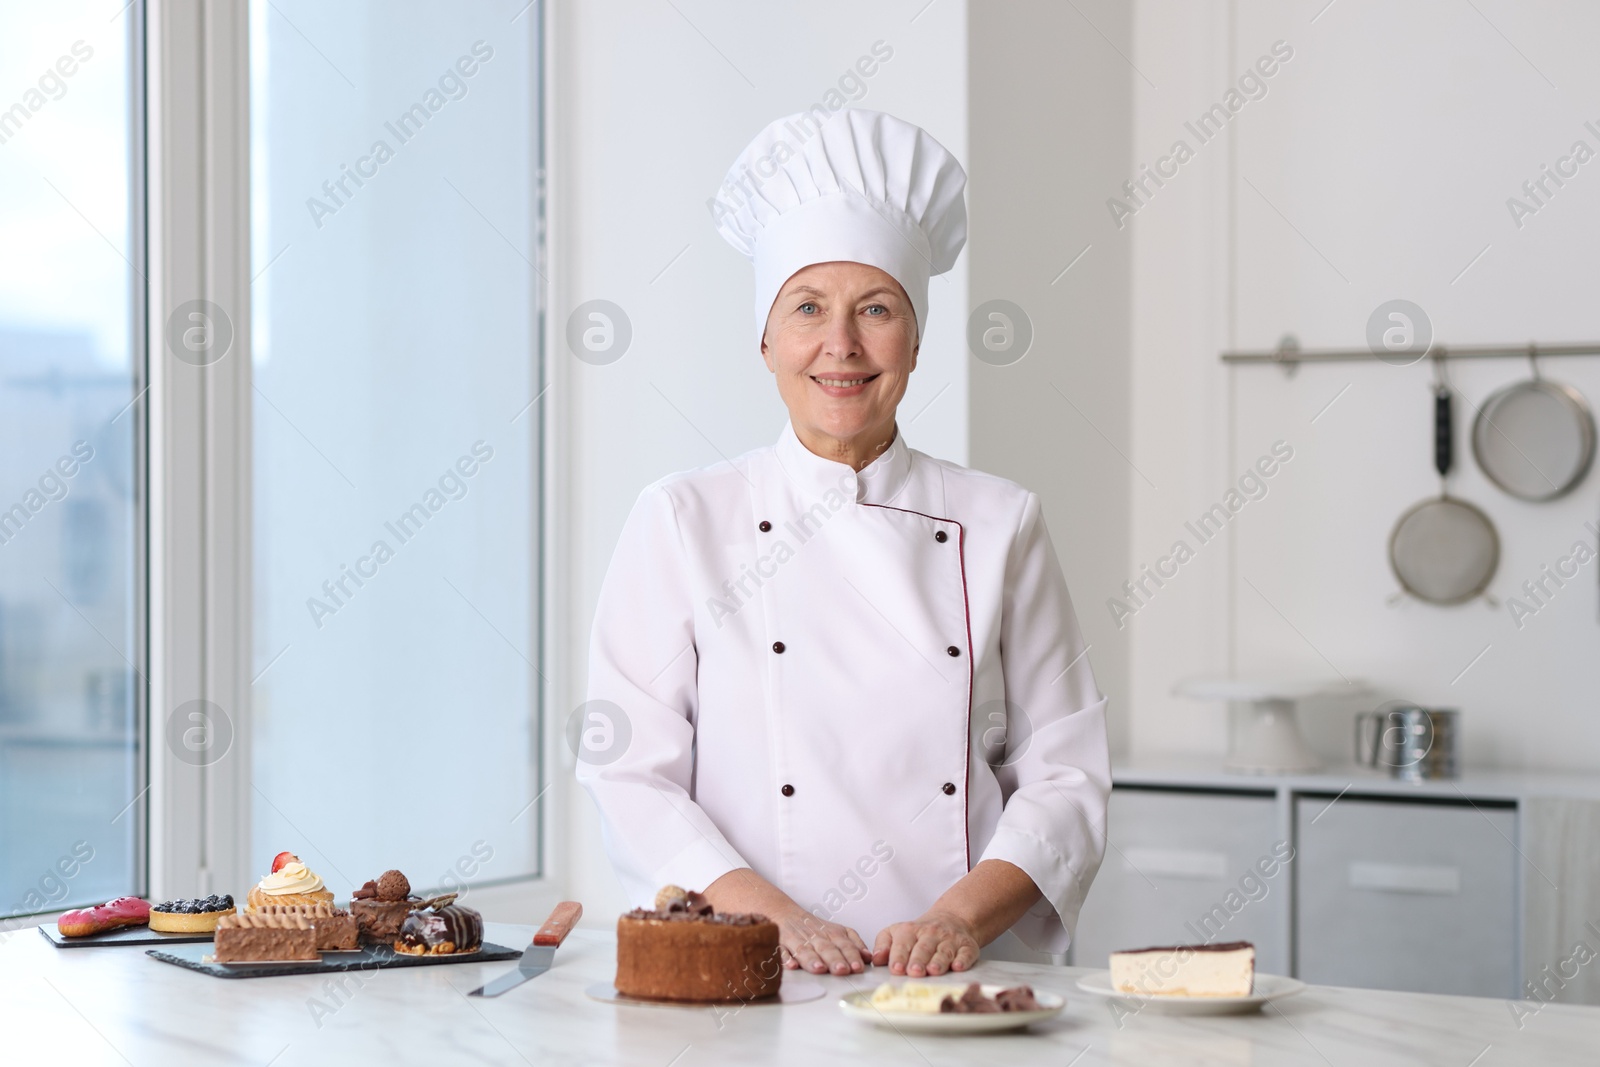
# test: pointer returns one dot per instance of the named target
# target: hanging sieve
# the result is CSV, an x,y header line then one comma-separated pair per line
x,y
1444,550
1535,439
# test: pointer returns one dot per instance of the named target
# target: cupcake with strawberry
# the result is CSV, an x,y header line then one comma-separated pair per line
x,y
291,882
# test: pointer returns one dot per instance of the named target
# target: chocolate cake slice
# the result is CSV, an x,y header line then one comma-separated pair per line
x,y
254,937
335,929
381,906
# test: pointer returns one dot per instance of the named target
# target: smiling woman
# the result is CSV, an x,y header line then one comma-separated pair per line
x,y
834,721
842,342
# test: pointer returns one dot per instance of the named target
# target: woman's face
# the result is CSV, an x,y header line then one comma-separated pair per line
x,y
842,340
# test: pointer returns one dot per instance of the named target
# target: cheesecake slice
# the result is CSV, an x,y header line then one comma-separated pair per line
x,y
1224,970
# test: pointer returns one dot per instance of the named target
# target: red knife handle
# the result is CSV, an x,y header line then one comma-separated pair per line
x,y
560,924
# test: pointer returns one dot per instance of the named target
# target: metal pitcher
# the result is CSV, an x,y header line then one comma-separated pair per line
x,y
1411,742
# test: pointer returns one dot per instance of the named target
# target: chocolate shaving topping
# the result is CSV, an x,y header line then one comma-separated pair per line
x,y
1017,998
973,1002
366,892
683,914
693,903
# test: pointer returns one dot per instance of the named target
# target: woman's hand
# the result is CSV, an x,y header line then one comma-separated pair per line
x,y
819,946
806,941
939,941
970,914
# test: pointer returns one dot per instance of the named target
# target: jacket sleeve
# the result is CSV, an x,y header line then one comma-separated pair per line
x,y
1056,775
635,734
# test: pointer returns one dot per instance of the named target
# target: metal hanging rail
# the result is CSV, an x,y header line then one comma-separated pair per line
x,y
1289,354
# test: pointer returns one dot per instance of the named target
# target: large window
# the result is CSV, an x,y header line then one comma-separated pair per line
x,y
393,393
395,324
72,426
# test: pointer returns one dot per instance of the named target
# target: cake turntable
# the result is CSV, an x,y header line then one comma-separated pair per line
x,y
1264,735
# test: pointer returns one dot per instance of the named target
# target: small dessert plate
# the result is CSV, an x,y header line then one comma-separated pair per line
x,y
859,1006
1267,987
122,935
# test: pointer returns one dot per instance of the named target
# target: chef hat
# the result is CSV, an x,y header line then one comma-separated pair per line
x,y
855,185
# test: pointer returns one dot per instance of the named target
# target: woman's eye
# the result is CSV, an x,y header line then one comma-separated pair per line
x,y
878,308
808,307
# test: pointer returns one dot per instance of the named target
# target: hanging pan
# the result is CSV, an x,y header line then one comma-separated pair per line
x,y
1444,550
1535,439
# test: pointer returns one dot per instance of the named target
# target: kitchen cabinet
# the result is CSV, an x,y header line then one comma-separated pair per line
x,y
1187,867
1485,885
1397,894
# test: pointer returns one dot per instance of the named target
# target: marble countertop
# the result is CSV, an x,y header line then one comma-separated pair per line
x,y
118,1006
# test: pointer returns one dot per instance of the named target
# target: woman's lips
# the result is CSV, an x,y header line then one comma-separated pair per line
x,y
844,385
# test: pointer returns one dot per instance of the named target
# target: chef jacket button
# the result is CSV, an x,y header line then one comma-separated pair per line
x,y
777,646
953,650
764,526
940,536
949,789
787,790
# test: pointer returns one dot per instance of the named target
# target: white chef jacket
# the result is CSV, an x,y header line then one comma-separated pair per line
x,y
857,685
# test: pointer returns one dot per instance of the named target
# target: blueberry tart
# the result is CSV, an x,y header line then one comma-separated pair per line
x,y
194,915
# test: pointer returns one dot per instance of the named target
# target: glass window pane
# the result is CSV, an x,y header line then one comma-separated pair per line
x,y
71,483
394,162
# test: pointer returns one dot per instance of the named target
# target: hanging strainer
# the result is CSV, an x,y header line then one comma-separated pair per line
x,y
1444,550
1535,439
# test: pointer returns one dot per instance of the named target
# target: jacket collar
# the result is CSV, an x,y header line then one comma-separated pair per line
x,y
879,482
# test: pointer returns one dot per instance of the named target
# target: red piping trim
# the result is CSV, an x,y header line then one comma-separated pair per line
x,y
966,613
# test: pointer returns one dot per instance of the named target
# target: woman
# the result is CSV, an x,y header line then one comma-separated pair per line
x,y
849,675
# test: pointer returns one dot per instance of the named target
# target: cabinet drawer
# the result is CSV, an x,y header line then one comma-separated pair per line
x,y
1188,867
1396,895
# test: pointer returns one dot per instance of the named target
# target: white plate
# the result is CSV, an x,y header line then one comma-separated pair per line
x,y
1267,987
859,1006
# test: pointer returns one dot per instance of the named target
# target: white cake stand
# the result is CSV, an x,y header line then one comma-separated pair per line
x,y
1265,738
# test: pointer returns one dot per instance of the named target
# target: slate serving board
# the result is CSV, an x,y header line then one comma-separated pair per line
x,y
369,957
124,935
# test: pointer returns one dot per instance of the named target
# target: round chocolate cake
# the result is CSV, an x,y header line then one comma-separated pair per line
x,y
682,950
381,906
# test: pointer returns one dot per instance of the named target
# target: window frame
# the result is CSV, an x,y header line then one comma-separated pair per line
x,y
197,119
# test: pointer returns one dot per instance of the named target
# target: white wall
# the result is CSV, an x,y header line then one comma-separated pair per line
x,y
1377,166
650,108
1051,114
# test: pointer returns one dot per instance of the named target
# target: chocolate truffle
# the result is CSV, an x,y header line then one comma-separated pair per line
x,y
392,885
